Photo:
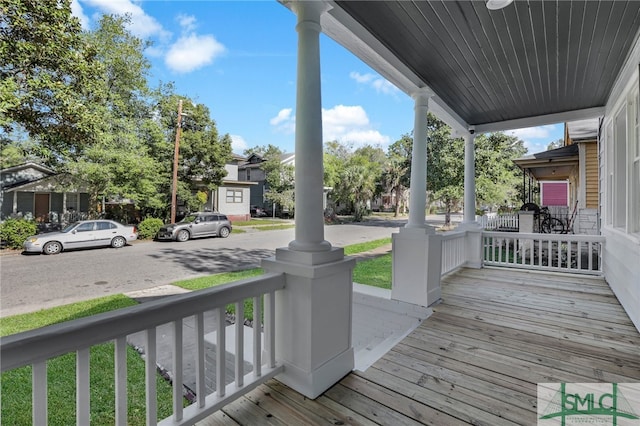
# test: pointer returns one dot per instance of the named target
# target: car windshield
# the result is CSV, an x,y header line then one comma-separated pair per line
x,y
190,218
69,228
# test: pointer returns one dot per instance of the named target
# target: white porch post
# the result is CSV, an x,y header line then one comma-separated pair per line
x,y
418,192
314,310
417,249
469,179
469,223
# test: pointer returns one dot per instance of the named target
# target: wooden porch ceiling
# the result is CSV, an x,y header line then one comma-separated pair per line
x,y
476,360
495,69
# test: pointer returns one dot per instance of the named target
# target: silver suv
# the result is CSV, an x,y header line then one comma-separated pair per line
x,y
195,225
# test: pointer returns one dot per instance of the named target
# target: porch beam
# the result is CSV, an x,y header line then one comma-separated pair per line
x,y
540,120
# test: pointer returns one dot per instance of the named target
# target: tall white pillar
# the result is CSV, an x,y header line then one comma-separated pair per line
x,y
473,236
314,310
309,214
469,179
417,249
418,191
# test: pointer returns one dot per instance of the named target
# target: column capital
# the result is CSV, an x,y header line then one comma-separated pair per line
x,y
309,11
422,96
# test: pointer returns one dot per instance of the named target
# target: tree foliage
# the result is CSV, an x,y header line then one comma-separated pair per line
x,y
48,74
353,175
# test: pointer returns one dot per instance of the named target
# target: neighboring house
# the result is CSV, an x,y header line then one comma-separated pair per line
x,y
567,177
33,191
233,196
250,170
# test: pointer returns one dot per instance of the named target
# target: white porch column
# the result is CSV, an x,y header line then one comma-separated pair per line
x,y
469,178
418,192
309,214
314,310
469,222
417,249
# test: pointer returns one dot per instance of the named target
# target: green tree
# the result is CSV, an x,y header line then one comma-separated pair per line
x,y
555,144
397,170
498,179
445,165
47,74
354,175
118,164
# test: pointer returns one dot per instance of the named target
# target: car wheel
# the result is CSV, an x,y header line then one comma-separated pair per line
x,y
118,242
52,247
183,236
224,232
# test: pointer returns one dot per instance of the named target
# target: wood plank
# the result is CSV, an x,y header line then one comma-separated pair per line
x,y
455,408
538,344
524,353
322,406
245,412
400,403
367,407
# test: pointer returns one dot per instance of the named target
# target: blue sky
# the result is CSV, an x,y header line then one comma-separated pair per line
x,y
239,59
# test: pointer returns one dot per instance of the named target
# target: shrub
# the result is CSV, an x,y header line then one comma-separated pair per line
x,y
14,232
149,227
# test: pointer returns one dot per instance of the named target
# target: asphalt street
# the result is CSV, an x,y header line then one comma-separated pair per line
x,y
32,282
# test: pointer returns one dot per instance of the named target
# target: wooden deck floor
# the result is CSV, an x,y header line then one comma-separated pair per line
x,y
476,360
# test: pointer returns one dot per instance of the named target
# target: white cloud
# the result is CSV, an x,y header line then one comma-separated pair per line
x,y
284,115
192,51
142,25
186,22
238,144
536,139
76,10
380,84
346,124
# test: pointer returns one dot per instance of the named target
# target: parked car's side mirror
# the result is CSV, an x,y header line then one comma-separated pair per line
x,y
196,221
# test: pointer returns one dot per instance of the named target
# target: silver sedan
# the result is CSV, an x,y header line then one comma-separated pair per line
x,y
83,234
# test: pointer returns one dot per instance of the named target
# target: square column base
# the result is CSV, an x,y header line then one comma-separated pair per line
x,y
417,267
313,319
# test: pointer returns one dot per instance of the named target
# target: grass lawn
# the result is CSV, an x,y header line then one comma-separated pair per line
x,y
257,222
375,272
16,384
366,246
274,227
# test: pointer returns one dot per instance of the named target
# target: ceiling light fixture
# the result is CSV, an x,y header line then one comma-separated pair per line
x,y
498,4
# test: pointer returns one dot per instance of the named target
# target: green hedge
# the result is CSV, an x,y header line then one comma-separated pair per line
x,y
14,232
149,227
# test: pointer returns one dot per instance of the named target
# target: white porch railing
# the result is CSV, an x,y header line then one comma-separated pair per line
x,y
496,222
454,252
36,347
580,254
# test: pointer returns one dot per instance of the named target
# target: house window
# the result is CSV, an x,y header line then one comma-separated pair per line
x,y
634,156
248,173
619,165
234,196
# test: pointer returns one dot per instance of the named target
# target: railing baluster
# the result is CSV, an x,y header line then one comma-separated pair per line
x,y
200,383
239,344
150,377
257,332
177,370
269,328
221,349
82,387
121,380
589,252
579,256
39,393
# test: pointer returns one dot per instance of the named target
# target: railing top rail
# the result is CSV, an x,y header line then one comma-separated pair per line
x,y
548,237
54,340
451,235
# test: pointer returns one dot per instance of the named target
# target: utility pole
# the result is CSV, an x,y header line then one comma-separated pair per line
x,y
176,151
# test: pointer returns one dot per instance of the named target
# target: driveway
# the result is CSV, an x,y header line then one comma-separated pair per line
x,y
32,282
